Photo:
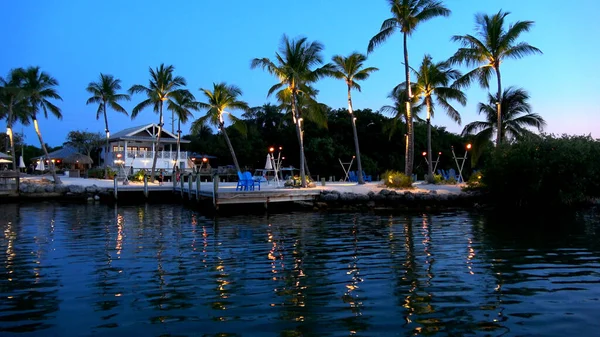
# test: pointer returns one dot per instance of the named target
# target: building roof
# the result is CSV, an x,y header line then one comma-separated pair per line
x,y
144,133
60,153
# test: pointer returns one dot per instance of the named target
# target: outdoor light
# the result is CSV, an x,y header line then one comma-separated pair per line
x,y
469,146
271,149
280,148
440,153
193,158
204,160
424,153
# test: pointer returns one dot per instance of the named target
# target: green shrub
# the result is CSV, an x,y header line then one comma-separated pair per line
x,y
475,182
98,173
545,171
397,179
138,176
296,181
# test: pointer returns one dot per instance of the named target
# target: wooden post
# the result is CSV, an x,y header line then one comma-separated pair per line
x,y
198,186
115,188
215,191
181,176
190,186
146,186
174,181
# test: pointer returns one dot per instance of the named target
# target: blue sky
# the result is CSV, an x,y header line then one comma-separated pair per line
x,y
213,41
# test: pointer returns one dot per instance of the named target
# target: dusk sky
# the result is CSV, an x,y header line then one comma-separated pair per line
x,y
214,41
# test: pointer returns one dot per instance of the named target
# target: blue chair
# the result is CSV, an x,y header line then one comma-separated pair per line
x,y
242,184
352,177
452,174
251,181
367,177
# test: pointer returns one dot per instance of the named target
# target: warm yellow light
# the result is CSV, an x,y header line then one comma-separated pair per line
x,y
193,158
424,153
469,146
280,148
353,157
204,160
271,149
440,153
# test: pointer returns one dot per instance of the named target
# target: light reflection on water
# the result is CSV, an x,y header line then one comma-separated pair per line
x,y
151,269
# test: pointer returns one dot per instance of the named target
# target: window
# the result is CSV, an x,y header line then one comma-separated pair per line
x,y
117,148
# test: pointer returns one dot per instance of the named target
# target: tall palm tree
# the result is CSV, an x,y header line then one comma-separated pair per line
x,y
434,79
162,87
39,87
350,69
486,51
307,107
105,93
293,67
516,116
13,107
406,16
181,106
223,97
398,111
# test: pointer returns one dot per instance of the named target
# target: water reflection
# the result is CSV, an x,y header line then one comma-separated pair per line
x,y
155,269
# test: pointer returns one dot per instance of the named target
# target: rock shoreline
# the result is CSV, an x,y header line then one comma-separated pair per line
x,y
393,199
328,200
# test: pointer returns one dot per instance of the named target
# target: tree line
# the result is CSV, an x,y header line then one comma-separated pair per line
x,y
297,66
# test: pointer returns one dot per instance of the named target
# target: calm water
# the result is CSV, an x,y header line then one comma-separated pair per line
x,y
71,270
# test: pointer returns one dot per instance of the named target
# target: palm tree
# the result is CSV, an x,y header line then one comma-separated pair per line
x,y
105,93
181,106
516,117
434,79
163,86
13,107
494,45
350,69
293,67
223,97
406,16
399,113
38,87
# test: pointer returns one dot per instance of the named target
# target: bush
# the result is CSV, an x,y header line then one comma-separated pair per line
x,y
397,179
98,173
138,176
475,182
297,182
545,172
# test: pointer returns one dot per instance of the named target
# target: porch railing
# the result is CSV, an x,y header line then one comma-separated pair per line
x,y
148,154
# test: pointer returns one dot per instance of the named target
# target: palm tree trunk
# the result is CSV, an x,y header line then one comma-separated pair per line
x,y
300,139
107,136
429,156
11,139
235,161
499,106
410,156
160,125
178,139
361,179
52,168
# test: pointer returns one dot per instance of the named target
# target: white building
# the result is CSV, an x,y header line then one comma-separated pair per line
x,y
134,148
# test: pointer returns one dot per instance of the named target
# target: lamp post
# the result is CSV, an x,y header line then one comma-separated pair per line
x,y
462,161
276,162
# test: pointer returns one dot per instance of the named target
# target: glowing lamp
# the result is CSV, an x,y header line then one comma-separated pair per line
x,y
271,149
424,153
204,160
469,146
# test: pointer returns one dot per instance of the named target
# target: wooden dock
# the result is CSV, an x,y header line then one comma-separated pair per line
x,y
190,188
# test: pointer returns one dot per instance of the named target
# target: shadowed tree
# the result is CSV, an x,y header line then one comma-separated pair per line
x,y
406,16
182,105
516,116
223,97
486,51
38,88
105,94
293,66
162,87
307,107
13,107
433,79
350,69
